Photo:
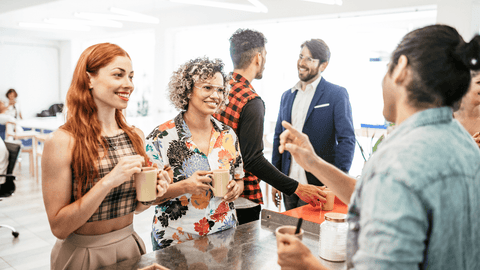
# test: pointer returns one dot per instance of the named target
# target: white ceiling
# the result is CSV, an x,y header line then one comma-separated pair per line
x,y
12,12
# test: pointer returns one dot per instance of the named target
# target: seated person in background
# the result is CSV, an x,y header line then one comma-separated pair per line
x,y
3,157
6,188
13,107
416,203
467,111
193,144
4,117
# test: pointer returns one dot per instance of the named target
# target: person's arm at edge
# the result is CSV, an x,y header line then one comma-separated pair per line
x,y
251,146
301,149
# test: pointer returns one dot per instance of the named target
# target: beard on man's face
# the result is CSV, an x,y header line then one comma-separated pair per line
x,y
308,74
259,75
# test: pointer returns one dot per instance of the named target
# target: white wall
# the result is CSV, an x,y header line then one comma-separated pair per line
x,y
31,67
352,41
463,14
140,46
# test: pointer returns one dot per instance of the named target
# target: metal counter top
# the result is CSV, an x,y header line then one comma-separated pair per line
x,y
249,246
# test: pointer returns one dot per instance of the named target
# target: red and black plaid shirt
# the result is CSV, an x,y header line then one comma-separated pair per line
x,y
241,93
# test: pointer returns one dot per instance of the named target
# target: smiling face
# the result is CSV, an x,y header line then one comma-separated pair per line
x,y
308,68
112,85
207,95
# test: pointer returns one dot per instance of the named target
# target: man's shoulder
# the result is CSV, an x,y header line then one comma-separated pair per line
x,y
331,86
241,92
334,90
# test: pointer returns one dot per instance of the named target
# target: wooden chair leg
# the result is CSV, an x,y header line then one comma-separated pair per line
x,y
36,169
32,164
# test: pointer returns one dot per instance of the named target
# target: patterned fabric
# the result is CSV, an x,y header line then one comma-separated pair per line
x,y
188,216
240,94
120,201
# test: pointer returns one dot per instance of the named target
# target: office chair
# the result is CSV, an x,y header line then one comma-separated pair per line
x,y
2,131
8,188
26,137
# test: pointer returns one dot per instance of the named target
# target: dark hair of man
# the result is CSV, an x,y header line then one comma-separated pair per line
x,y
440,62
244,45
319,49
11,90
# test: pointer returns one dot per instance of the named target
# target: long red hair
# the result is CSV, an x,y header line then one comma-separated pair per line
x,y
82,119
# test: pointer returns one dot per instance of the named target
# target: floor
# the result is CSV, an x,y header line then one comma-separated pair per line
x,y
26,212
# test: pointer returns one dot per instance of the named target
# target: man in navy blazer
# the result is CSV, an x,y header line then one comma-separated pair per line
x,y
319,109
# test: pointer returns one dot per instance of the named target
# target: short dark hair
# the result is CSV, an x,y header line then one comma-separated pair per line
x,y
244,44
11,90
440,61
318,48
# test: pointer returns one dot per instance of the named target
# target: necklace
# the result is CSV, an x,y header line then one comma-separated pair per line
x,y
111,143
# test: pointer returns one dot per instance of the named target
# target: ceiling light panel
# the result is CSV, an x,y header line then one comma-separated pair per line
x,y
103,22
121,15
327,2
256,5
54,26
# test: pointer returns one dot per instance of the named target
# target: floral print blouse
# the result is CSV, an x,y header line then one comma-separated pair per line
x,y
188,216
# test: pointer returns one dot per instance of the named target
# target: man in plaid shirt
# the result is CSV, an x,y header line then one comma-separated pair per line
x,y
245,114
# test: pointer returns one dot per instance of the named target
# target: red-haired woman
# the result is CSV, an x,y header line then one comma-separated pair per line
x,y
88,166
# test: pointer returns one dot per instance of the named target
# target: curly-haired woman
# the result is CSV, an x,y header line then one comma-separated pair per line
x,y
88,166
193,144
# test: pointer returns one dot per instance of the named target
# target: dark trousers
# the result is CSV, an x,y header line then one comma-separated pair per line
x,y
292,201
247,215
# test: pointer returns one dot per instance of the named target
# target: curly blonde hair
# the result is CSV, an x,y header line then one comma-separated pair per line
x,y
199,69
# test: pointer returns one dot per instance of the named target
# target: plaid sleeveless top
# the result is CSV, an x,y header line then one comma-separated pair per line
x,y
122,200
241,93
